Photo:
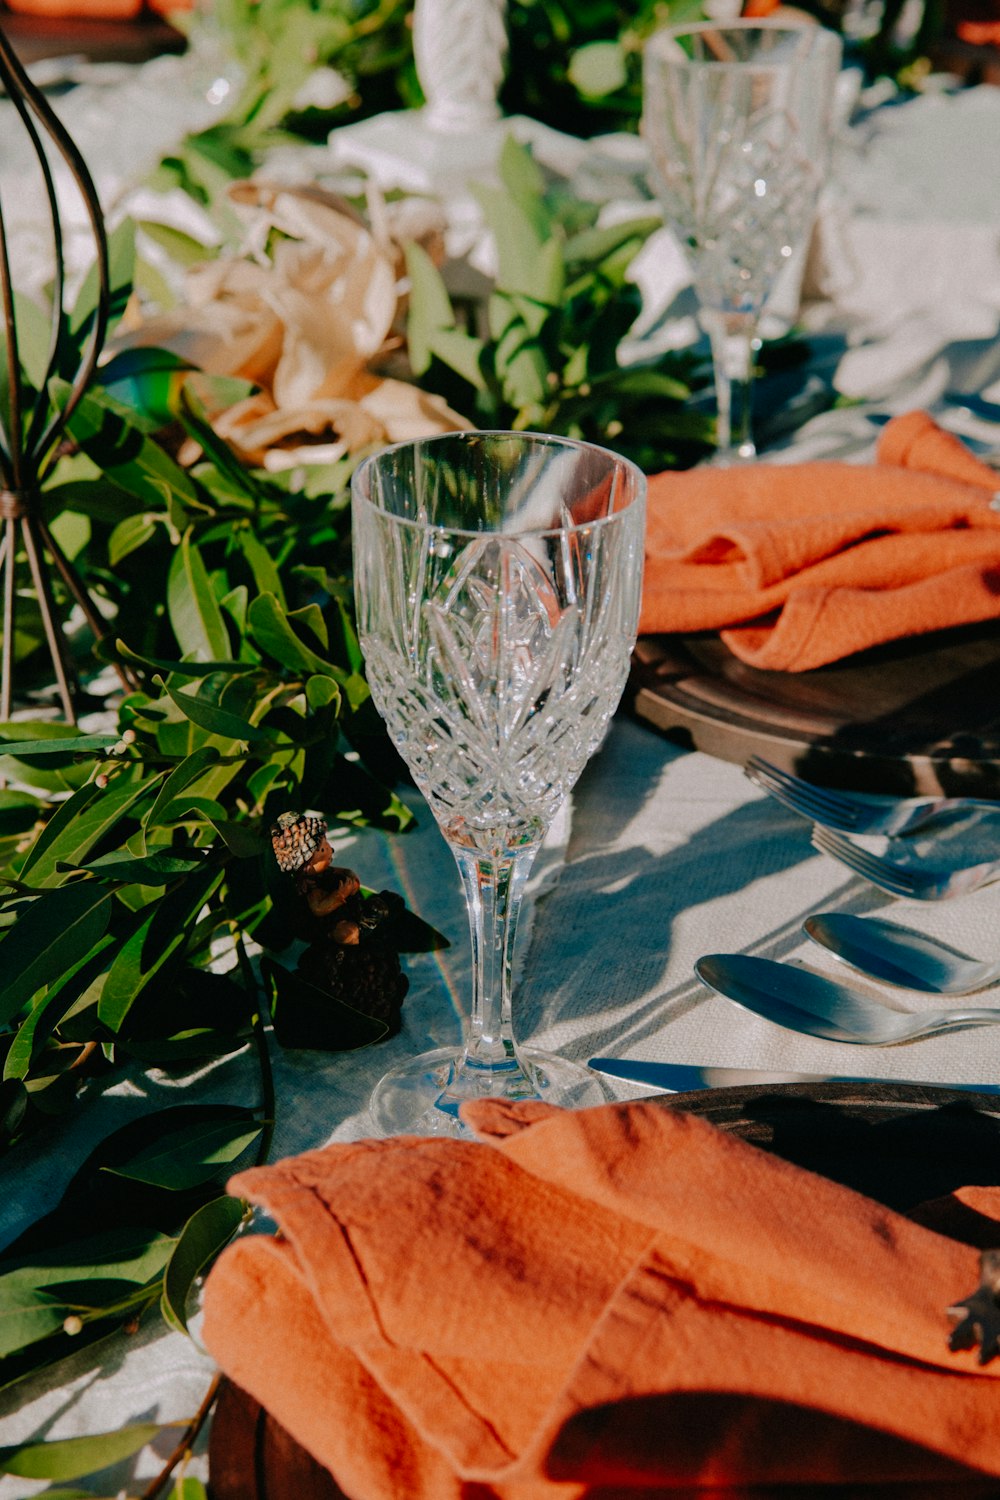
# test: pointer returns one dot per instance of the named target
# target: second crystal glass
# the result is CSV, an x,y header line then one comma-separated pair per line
x,y
737,121
498,578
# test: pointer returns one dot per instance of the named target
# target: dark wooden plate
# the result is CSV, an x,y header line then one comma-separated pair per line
x,y
920,715
901,1144
35,37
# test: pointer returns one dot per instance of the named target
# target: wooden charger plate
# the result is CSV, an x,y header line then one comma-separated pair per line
x,y
917,716
901,1144
35,37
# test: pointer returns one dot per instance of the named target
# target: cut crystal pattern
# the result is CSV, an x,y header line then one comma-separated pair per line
x,y
741,197
514,658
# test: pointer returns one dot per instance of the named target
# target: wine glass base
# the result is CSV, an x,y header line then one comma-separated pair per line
x,y
422,1096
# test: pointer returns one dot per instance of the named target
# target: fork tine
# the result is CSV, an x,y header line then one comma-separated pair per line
x,y
856,861
870,866
801,796
820,796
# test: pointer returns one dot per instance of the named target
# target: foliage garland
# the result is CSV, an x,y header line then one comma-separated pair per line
x,y
134,862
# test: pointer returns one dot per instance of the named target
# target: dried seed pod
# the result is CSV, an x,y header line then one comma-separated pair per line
x,y
295,838
328,890
346,933
368,977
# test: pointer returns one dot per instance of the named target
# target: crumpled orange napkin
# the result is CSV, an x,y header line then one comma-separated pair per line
x,y
804,564
600,1302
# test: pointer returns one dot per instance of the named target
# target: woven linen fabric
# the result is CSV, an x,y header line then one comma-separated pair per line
x,y
623,1298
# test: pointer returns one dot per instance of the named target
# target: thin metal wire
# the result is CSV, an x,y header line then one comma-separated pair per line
x,y
30,427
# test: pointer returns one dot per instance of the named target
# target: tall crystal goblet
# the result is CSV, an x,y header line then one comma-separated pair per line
x,y
737,119
498,578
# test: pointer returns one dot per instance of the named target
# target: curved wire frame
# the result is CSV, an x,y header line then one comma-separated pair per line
x,y
31,427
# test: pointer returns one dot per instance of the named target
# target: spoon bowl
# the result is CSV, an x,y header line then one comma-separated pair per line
x,y
807,1002
885,950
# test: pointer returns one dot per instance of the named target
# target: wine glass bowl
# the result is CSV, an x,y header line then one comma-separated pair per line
x,y
736,118
497,578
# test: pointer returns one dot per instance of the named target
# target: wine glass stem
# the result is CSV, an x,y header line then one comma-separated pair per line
x,y
493,888
732,339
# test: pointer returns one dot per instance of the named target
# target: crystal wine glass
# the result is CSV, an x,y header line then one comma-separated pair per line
x,y
737,119
498,577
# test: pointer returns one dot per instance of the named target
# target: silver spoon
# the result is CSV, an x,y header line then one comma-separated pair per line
x,y
807,1002
898,954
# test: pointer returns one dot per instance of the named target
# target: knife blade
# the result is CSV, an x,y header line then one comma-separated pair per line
x,y
681,1078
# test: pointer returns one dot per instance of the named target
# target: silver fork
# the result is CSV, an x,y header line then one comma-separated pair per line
x,y
923,884
851,814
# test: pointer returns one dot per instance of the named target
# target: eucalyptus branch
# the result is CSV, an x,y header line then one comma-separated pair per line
x,y
186,1443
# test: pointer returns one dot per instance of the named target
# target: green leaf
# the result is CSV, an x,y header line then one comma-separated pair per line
x,y
19,811
186,1488
29,1311
241,841
75,1494
193,608
71,1458
215,720
525,265
76,826
108,434
153,869
520,360
78,744
271,629
34,337
266,575
181,777
591,246
118,651
196,424
53,932
191,1154
121,267
128,536
156,943
522,177
181,247
46,1014
190,809
462,353
55,774
430,307
72,532
321,692
146,380
598,69
203,1236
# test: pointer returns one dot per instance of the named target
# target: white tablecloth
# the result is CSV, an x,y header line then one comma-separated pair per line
x,y
672,854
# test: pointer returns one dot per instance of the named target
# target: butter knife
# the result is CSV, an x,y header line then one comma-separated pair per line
x,y
681,1078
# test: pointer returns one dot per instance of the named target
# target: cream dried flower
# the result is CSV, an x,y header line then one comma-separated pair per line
x,y
305,323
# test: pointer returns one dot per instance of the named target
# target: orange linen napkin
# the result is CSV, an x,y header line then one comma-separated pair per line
x,y
803,564
610,1301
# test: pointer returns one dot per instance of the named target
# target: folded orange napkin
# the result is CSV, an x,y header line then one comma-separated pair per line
x,y
599,1302
803,564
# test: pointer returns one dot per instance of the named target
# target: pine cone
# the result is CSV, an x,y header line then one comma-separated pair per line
x,y
367,976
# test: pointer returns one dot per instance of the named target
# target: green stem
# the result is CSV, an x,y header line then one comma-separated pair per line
x,y
268,1102
186,1443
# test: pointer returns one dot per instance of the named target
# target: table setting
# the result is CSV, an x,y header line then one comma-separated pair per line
x,y
597,798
